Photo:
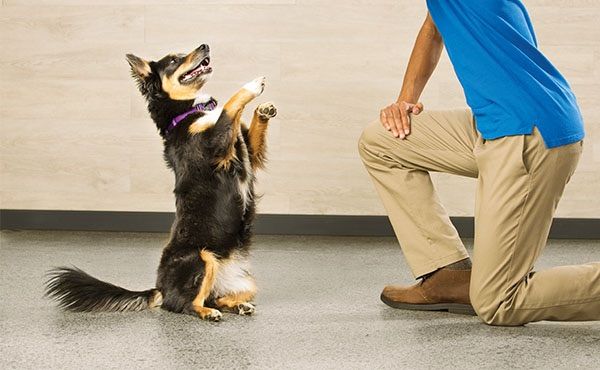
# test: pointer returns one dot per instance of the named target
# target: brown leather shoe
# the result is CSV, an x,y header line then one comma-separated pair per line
x,y
444,290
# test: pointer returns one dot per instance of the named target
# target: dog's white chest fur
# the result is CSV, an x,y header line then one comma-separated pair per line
x,y
209,118
233,276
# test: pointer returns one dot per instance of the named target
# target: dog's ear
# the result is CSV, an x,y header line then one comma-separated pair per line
x,y
140,71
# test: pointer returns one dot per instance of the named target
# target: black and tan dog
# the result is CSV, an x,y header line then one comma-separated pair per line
x,y
204,267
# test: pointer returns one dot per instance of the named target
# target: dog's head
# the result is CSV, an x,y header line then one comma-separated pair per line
x,y
174,77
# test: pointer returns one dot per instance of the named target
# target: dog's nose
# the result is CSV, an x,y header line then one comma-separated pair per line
x,y
204,47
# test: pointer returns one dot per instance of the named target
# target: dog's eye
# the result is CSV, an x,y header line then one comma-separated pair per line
x,y
173,60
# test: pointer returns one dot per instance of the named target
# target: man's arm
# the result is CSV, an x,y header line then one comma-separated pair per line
x,y
423,60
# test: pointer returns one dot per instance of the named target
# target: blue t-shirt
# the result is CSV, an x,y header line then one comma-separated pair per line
x,y
509,84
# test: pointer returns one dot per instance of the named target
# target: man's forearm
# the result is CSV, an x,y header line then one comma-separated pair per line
x,y
423,60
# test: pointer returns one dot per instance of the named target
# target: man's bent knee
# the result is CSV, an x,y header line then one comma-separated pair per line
x,y
483,306
491,308
369,139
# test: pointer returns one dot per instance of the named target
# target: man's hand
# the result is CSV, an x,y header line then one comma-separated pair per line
x,y
395,117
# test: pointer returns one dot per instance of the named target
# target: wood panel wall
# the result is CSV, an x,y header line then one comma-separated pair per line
x,y
75,134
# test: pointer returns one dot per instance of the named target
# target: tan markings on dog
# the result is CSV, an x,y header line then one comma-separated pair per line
x,y
210,270
233,109
156,300
139,66
238,102
177,91
208,313
256,136
224,162
233,300
144,69
196,128
204,312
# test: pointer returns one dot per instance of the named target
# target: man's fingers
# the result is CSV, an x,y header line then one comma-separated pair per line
x,y
383,119
405,123
397,122
418,108
396,117
387,120
391,122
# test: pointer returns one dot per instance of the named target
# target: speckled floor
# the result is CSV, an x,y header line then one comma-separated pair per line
x,y
318,308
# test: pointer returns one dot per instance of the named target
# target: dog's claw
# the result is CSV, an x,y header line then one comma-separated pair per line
x,y
245,309
266,110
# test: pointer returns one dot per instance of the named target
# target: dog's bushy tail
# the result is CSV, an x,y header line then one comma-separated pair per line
x,y
75,290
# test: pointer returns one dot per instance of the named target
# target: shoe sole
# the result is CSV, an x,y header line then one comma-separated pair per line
x,y
457,308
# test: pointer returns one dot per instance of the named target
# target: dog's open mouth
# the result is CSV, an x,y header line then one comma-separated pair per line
x,y
201,69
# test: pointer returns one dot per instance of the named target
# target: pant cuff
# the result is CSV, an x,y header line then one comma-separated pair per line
x,y
419,271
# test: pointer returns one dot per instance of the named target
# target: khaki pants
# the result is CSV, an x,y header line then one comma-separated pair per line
x,y
520,182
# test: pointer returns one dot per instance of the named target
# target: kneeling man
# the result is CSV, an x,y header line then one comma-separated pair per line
x,y
521,139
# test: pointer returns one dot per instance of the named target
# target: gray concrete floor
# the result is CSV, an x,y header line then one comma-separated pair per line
x,y
318,308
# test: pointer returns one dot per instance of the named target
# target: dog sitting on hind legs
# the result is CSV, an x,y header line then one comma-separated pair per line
x,y
204,268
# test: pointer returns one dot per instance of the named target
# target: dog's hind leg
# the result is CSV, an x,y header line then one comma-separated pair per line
x,y
210,271
228,126
257,134
239,303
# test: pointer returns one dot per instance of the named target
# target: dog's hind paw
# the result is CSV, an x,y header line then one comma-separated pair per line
x,y
245,309
266,110
256,86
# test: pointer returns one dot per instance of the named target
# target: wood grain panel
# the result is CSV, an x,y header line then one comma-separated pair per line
x,y
64,98
144,2
76,134
271,22
565,25
100,60
564,3
36,26
60,156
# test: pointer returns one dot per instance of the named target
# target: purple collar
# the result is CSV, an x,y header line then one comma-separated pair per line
x,y
202,107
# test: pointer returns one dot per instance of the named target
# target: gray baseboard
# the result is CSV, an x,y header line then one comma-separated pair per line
x,y
266,224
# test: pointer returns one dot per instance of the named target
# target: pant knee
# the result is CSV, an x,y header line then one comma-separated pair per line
x,y
368,141
483,306
491,307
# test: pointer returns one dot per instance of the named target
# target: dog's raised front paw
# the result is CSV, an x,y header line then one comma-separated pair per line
x,y
245,309
266,110
256,86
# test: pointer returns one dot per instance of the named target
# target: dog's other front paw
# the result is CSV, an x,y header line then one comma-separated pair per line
x,y
211,315
256,86
266,110
245,309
